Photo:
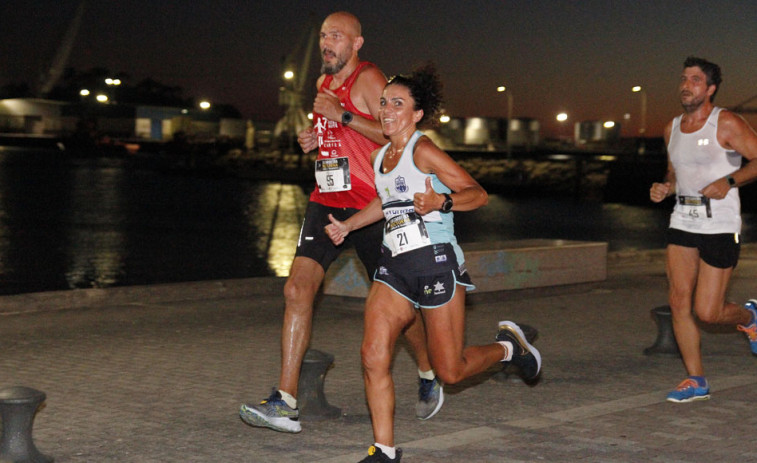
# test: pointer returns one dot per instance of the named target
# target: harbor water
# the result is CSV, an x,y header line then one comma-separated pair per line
x,y
107,221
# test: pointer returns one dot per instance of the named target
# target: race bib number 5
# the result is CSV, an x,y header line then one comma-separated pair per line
x,y
333,174
405,232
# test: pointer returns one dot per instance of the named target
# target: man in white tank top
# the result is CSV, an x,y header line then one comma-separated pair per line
x,y
705,149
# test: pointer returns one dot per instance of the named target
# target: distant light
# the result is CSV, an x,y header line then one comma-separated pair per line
x,y
102,98
289,75
609,124
84,92
185,111
627,116
204,105
310,116
636,88
562,117
501,88
444,119
110,81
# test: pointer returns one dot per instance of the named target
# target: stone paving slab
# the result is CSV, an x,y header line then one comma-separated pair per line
x,y
150,379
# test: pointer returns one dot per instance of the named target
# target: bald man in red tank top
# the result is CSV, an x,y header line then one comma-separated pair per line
x,y
345,132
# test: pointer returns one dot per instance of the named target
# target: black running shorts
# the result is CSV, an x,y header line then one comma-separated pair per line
x,y
720,250
315,243
427,276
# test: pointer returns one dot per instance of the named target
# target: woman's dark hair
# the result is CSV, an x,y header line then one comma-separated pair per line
x,y
426,89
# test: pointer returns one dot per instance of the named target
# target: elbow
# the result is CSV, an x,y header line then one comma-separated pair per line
x,y
483,198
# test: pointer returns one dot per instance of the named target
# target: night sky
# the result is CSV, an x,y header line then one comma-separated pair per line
x,y
581,57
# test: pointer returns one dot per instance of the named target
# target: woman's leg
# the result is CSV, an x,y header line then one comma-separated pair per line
x,y
445,330
386,315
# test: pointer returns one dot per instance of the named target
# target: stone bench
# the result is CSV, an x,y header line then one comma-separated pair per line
x,y
497,266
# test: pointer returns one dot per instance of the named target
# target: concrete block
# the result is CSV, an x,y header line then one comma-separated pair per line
x,y
497,266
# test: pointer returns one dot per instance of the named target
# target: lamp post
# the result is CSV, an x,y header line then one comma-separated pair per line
x,y
509,95
643,124
561,118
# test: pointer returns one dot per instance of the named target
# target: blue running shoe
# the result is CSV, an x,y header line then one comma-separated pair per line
x,y
688,391
751,329
525,356
430,398
272,413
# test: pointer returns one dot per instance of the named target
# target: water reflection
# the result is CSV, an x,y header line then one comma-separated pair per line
x,y
278,213
110,222
95,233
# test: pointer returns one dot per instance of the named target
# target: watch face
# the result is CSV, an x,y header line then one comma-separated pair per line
x,y
447,205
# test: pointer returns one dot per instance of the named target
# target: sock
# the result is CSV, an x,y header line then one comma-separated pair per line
x,y
390,452
429,375
289,399
508,350
701,380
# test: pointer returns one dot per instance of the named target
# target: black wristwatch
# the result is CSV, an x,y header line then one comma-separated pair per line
x,y
347,117
731,181
447,204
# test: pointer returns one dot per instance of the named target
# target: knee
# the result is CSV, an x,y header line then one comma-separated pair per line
x,y
297,291
375,357
709,315
448,373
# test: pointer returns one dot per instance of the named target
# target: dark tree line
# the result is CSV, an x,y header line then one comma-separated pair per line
x,y
145,92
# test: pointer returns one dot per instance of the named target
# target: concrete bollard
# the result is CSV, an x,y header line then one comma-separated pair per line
x,y
509,372
311,399
18,405
665,344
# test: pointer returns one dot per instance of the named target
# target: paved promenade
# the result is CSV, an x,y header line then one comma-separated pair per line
x,y
157,374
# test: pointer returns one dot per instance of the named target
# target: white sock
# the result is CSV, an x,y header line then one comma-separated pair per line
x,y
390,452
289,399
426,374
508,350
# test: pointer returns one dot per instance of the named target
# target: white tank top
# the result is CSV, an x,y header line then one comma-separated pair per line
x,y
397,189
698,160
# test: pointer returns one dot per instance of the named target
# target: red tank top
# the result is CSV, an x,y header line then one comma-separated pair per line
x,y
338,141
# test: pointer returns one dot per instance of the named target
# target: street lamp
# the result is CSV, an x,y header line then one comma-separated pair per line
x,y
561,118
503,89
643,125
204,105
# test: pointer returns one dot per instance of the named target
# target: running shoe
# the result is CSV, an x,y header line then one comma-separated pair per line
x,y
272,413
375,455
430,398
525,356
751,329
688,391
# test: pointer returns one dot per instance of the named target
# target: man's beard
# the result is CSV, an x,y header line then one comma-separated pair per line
x,y
332,69
692,105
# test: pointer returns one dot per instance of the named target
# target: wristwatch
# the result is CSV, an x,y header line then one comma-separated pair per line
x,y
447,204
347,117
731,181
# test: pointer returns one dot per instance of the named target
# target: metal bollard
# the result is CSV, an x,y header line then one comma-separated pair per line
x,y
665,344
311,399
18,405
509,372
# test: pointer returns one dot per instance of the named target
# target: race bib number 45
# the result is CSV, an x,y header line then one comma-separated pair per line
x,y
405,232
333,174
696,207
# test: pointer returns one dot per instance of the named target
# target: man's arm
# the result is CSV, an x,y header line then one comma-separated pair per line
x,y
366,96
660,191
734,133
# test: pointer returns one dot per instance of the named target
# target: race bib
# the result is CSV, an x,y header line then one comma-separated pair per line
x,y
695,207
405,232
333,174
